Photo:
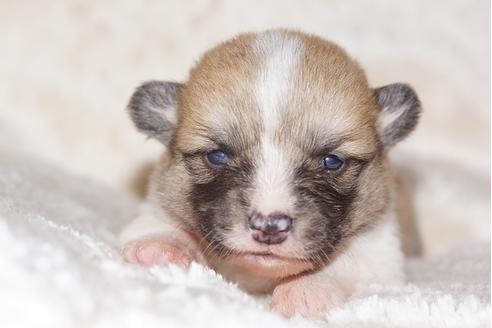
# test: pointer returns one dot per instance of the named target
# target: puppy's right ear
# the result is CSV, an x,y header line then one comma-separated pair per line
x,y
153,109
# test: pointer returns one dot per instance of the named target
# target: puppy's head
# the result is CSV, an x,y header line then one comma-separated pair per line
x,y
278,148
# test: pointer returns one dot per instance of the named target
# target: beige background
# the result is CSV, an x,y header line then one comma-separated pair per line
x,y
68,68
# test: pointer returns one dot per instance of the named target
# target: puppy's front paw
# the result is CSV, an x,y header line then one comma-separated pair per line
x,y
157,251
307,297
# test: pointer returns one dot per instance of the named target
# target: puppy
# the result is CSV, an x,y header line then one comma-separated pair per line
x,y
276,172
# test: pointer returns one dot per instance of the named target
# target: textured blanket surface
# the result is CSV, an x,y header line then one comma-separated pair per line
x,y
60,268
68,68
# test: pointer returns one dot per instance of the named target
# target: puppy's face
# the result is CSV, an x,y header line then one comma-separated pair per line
x,y
278,148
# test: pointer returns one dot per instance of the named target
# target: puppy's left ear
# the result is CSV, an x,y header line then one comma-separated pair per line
x,y
400,112
153,109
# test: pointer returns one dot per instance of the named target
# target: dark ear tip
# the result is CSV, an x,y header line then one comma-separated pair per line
x,y
398,100
152,106
139,97
397,94
152,91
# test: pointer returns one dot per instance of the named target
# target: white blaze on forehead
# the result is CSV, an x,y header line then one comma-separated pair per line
x,y
279,55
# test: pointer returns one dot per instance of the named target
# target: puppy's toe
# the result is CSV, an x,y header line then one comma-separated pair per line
x,y
157,252
306,298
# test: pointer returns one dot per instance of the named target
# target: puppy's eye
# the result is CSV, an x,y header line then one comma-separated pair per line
x,y
332,162
217,157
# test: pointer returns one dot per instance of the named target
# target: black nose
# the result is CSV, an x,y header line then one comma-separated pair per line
x,y
271,229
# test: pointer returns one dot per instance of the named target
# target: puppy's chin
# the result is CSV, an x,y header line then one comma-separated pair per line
x,y
269,265
274,261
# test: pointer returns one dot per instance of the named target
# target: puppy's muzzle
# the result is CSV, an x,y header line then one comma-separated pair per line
x,y
271,229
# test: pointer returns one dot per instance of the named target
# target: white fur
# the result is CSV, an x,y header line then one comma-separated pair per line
x,y
170,115
149,222
273,178
280,55
373,259
387,118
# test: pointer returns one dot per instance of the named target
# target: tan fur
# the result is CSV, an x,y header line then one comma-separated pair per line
x,y
218,89
410,238
324,106
331,98
330,91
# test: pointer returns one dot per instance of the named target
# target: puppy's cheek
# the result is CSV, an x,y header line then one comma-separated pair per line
x,y
202,176
308,297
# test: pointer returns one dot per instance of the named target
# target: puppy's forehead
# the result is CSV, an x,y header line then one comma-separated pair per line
x,y
292,86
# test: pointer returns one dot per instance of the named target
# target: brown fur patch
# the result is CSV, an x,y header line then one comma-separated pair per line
x,y
329,109
217,99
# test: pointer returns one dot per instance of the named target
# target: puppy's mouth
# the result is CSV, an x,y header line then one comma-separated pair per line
x,y
271,265
269,256
264,261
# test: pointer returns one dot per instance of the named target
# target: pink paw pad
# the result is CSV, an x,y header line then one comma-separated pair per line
x,y
306,298
156,252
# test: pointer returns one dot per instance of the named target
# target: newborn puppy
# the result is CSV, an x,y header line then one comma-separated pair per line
x,y
276,172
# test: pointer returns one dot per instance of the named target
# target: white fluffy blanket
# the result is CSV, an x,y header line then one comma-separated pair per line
x,y
67,70
59,267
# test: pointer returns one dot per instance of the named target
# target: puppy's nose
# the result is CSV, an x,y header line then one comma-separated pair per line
x,y
271,229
